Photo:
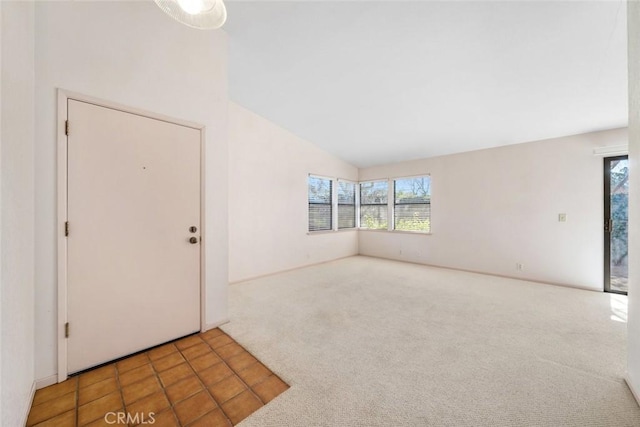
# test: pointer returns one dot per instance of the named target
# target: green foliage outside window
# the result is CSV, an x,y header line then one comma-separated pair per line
x,y
415,223
619,212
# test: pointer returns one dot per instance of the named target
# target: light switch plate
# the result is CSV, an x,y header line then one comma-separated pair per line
x,y
562,217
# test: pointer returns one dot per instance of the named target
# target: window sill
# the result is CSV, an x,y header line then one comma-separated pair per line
x,y
342,230
346,230
419,233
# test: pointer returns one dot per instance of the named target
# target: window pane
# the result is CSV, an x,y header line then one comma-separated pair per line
x,y
373,204
319,204
373,193
412,207
413,217
319,217
319,190
346,205
346,193
413,190
373,216
346,216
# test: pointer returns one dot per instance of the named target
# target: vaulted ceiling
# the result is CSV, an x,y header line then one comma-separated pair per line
x,y
376,82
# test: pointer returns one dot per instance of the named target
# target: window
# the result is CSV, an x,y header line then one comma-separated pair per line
x,y
373,205
334,204
412,204
346,204
320,211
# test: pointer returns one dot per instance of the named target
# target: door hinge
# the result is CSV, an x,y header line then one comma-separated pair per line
x,y
66,330
66,228
66,127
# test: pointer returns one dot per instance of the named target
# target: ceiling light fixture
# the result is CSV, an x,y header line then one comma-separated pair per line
x,y
201,14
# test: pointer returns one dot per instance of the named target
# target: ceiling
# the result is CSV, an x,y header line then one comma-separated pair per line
x,y
379,82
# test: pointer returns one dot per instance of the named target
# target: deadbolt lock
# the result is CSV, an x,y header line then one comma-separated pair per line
x,y
193,229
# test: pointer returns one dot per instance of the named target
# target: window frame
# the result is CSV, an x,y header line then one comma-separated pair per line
x,y
334,204
393,211
389,219
331,204
356,205
391,204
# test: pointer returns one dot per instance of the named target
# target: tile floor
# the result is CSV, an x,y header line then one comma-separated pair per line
x,y
201,380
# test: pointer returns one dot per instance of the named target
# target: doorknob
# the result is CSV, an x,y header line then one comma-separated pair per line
x,y
193,240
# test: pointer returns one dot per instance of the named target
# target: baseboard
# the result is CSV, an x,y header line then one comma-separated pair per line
x,y
215,324
46,381
636,393
260,276
485,273
26,411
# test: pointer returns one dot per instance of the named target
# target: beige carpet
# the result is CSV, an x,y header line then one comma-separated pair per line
x,y
370,342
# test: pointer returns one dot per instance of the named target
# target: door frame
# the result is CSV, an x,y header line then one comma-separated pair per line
x,y
606,168
63,97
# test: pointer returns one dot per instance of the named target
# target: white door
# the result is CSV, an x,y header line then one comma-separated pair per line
x,y
133,275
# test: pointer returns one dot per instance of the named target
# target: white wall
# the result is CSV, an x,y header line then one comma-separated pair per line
x,y
633,325
17,201
497,207
133,54
268,211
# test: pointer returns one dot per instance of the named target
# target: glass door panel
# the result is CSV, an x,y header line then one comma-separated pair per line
x,y
616,210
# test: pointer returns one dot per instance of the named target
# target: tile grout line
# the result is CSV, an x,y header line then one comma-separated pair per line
x,y
206,389
188,361
77,407
257,361
119,384
222,360
156,374
76,391
236,372
259,382
164,389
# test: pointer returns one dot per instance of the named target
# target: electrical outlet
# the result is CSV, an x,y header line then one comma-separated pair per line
x,y
562,217
519,266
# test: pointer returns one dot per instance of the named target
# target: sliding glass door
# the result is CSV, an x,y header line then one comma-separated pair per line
x,y
616,210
